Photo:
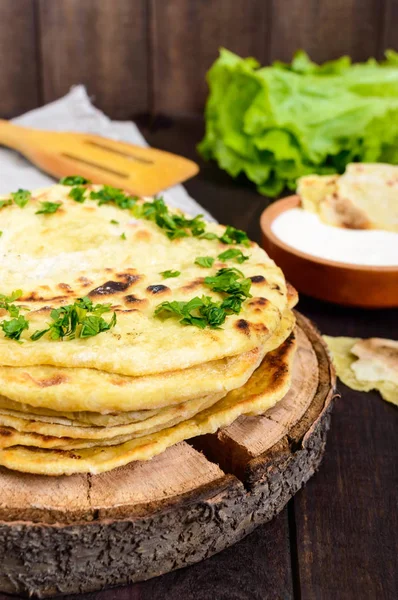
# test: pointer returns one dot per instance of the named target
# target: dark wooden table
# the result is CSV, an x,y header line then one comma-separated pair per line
x,y
337,539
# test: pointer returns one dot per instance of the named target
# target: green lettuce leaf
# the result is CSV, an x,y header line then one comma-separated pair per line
x,y
275,124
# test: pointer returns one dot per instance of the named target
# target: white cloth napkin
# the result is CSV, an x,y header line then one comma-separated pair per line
x,y
74,112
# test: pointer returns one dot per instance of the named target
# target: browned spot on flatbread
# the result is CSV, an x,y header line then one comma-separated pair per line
x,y
34,297
196,283
113,287
260,327
85,281
131,299
243,326
43,309
48,382
158,289
65,453
260,301
257,279
128,274
142,235
120,382
65,287
4,432
47,438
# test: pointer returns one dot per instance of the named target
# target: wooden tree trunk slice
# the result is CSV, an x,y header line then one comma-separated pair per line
x,y
82,533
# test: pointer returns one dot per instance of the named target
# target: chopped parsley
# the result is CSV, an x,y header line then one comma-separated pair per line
x,y
177,226
6,302
77,193
205,312
204,261
47,208
74,180
5,203
208,235
234,236
1,233
230,281
170,274
114,222
110,194
82,319
233,253
13,329
233,283
21,197
123,236
200,312
174,225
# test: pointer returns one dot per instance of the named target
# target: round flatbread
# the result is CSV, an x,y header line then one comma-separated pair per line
x,y
78,250
61,389
268,385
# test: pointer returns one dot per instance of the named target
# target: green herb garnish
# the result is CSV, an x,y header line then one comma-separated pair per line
x,y
174,225
77,193
74,180
79,320
13,329
1,233
233,253
5,203
110,194
21,197
6,302
123,236
233,283
228,280
205,312
204,261
208,235
47,208
169,274
199,312
234,236
114,222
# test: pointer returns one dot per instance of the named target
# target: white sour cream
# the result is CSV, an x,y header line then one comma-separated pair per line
x,y
304,231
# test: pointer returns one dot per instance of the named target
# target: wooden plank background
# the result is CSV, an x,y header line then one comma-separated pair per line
x,y
151,56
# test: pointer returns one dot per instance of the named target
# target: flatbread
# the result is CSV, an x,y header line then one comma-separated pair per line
x,y
19,432
364,197
61,389
371,189
268,385
366,365
80,419
31,423
313,190
78,251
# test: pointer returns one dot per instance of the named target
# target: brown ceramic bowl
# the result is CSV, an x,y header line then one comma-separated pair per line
x,y
342,283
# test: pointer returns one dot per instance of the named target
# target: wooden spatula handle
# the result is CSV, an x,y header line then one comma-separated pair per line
x,y
12,135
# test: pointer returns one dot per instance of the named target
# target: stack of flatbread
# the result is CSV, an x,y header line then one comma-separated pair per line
x,y
140,378
364,197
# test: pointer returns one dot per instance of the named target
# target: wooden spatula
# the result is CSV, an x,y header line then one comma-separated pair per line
x,y
142,171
